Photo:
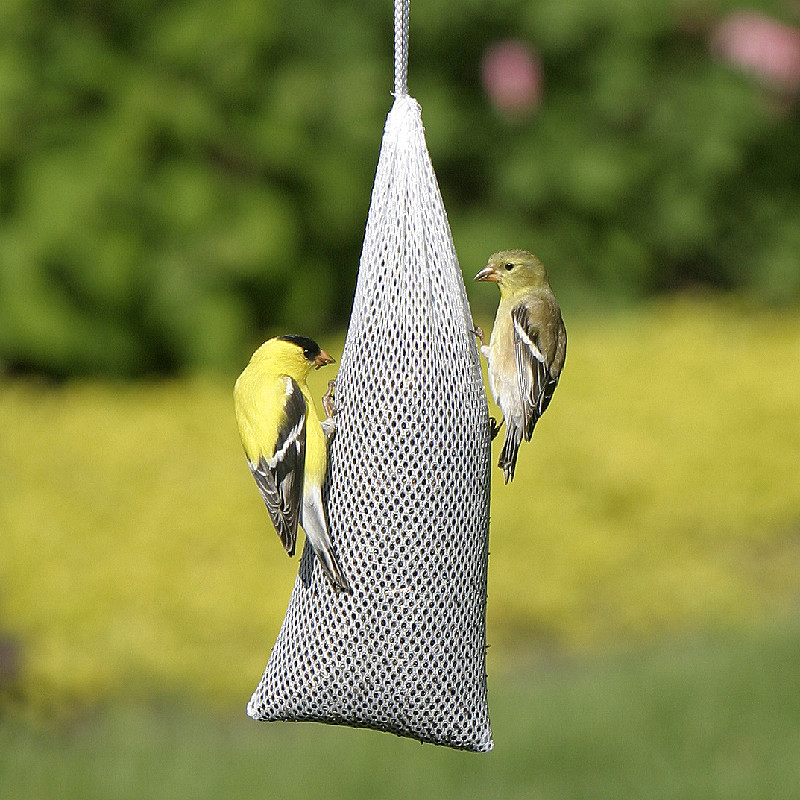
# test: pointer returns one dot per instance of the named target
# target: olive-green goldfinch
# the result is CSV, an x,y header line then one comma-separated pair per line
x,y
287,445
527,349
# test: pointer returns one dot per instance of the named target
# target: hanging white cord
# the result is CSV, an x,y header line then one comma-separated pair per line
x,y
401,11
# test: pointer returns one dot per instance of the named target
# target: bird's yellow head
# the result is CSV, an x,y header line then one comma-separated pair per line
x,y
290,355
514,271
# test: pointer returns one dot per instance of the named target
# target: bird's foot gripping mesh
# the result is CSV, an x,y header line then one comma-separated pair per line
x,y
408,489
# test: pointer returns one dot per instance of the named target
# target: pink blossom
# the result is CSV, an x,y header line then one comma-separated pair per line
x,y
759,44
511,73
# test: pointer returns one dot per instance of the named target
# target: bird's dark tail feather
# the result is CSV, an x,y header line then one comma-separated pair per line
x,y
508,455
333,571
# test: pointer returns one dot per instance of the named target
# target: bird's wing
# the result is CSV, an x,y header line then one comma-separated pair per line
x,y
554,368
536,387
280,477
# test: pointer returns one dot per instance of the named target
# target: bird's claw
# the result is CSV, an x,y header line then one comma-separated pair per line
x,y
494,428
478,331
327,400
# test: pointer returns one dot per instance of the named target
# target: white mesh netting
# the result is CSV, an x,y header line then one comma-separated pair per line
x,y
407,489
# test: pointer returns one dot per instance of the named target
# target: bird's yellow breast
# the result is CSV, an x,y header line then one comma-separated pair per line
x,y
316,445
501,345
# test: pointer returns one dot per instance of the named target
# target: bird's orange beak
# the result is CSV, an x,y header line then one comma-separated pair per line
x,y
323,359
488,274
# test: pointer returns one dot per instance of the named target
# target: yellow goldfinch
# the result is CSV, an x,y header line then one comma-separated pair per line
x,y
286,444
527,348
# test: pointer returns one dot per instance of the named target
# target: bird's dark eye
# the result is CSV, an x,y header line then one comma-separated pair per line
x,y
509,266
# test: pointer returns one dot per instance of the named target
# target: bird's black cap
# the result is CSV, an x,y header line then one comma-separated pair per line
x,y
310,348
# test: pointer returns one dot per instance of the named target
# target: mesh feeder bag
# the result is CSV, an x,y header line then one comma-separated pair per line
x,y
407,489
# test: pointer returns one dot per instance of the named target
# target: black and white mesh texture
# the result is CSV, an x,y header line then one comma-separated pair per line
x,y
407,490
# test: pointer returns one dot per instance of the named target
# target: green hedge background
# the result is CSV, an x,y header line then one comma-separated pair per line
x,y
179,178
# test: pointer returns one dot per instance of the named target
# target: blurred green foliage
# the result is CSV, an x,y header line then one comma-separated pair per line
x,y
705,719
177,178
658,495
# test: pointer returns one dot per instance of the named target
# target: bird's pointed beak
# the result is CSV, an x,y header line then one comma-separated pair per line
x,y
323,359
488,274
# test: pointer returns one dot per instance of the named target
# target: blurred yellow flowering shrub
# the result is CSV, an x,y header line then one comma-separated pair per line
x,y
660,493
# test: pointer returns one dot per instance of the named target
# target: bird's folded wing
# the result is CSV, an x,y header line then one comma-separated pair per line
x,y
280,477
532,368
